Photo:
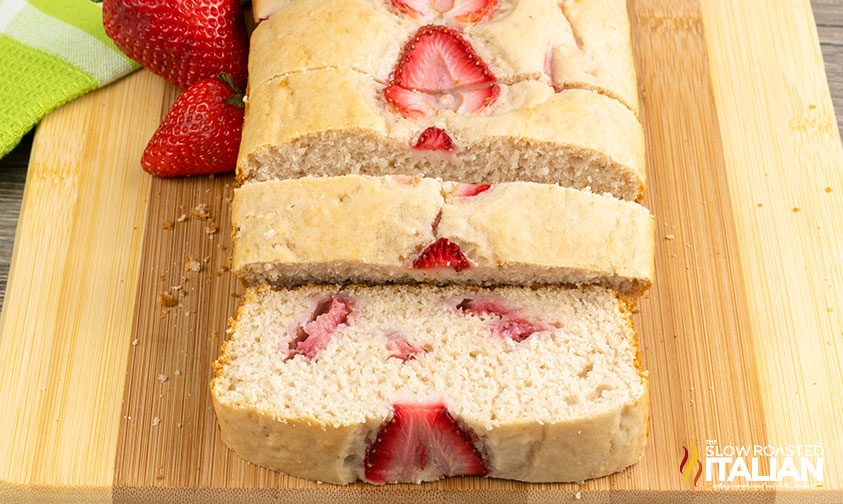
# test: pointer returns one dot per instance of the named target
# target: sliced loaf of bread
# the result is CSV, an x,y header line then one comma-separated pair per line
x,y
337,121
567,44
406,384
365,229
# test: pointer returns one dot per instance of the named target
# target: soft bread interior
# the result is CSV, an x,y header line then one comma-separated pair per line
x,y
584,365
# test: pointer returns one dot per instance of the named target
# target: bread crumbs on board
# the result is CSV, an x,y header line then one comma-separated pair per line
x,y
201,212
191,264
167,300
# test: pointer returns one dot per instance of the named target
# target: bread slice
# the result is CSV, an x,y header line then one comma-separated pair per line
x,y
393,229
336,122
569,44
398,383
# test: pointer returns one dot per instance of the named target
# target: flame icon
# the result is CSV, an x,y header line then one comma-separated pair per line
x,y
690,462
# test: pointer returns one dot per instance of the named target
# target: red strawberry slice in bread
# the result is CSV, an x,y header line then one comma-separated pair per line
x,y
442,254
439,59
472,11
477,99
548,71
484,306
468,190
421,442
462,11
434,139
399,347
517,328
439,70
410,104
422,104
509,323
313,336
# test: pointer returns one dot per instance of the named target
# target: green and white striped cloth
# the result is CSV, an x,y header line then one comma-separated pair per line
x,y
51,51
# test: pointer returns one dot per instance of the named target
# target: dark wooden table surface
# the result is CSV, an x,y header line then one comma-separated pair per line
x,y
828,14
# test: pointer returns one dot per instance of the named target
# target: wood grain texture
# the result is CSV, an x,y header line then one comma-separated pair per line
x,y
169,436
72,289
12,178
697,308
833,56
828,15
784,162
733,319
11,191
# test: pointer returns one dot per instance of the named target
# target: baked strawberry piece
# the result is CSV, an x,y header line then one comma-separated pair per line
x,y
506,322
460,11
434,139
468,190
439,70
330,314
421,442
442,254
400,347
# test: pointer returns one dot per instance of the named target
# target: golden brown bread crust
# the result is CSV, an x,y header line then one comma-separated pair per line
x,y
529,133
586,448
627,305
567,43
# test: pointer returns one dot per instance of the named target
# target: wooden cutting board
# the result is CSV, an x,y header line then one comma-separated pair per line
x,y
104,393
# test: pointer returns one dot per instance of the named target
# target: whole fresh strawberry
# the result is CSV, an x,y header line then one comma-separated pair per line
x,y
183,41
201,132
